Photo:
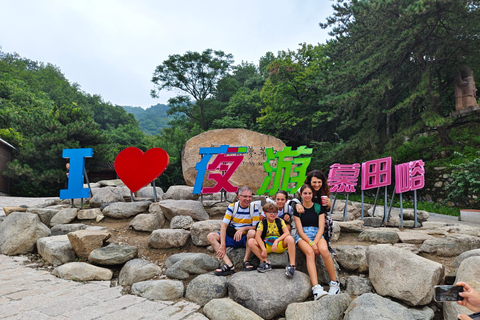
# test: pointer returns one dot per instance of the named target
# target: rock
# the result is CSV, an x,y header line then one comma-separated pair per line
x,y
181,222
124,210
409,214
137,270
105,195
221,309
451,245
159,289
19,233
414,237
371,306
192,208
467,254
352,258
433,224
259,292
380,235
113,254
63,229
372,222
206,287
64,216
467,272
180,193
182,265
379,212
390,271
44,214
111,183
278,260
250,173
56,250
146,193
408,246
82,271
200,230
355,226
9,210
328,307
335,232
216,210
85,241
339,216
168,238
358,285
89,214
462,229
147,222
322,274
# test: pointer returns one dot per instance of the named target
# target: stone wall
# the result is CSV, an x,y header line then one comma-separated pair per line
x,y
436,182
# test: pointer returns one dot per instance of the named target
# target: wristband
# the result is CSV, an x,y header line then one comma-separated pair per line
x,y
311,243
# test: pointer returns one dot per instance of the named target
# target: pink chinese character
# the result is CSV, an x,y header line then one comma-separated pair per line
x,y
343,177
409,176
376,173
220,163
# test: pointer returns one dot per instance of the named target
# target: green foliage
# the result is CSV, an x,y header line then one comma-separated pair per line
x,y
464,190
151,120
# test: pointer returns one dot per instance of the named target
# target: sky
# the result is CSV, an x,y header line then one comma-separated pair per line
x,y
111,47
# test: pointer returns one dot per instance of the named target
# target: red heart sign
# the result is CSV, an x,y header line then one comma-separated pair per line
x,y
136,169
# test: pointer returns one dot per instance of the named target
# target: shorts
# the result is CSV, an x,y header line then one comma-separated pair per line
x,y
230,242
280,247
311,232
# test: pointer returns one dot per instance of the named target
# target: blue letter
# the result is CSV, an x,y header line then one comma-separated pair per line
x,y
75,174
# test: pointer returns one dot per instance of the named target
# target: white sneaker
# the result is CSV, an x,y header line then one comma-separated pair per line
x,y
334,287
318,292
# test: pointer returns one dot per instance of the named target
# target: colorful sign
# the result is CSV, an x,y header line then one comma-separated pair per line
x,y
284,167
409,176
137,168
343,177
76,173
376,173
227,164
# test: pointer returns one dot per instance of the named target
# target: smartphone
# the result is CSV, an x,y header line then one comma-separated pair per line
x,y
475,316
447,293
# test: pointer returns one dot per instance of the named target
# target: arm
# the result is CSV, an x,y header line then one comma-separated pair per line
x,y
223,248
261,244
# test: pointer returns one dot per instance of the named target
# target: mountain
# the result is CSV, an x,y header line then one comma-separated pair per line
x,y
152,119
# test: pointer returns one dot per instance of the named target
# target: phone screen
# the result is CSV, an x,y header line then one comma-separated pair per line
x,y
448,293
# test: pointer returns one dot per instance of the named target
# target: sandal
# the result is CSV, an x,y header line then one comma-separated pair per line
x,y
225,270
247,266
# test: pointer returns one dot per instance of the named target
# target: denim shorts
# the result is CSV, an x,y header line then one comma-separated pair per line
x,y
311,232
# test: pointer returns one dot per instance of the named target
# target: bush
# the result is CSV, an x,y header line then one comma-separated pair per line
x,y
465,187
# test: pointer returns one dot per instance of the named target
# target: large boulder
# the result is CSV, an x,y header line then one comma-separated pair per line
x,y
45,214
261,294
85,241
322,274
390,271
180,193
159,289
63,229
64,216
147,222
181,222
352,258
200,230
329,307
19,233
220,309
206,287
82,271
137,270
56,250
105,195
467,254
192,208
124,210
381,235
182,265
146,193
250,173
168,238
371,306
450,246
113,254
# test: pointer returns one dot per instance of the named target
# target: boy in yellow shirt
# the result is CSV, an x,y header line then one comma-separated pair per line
x,y
272,235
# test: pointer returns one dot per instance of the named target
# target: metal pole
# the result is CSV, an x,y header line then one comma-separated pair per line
x,y
401,211
415,206
88,182
385,205
375,203
391,204
154,191
131,196
333,205
362,205
345,209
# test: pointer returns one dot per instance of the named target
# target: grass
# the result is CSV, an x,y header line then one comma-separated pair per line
x,y
428,206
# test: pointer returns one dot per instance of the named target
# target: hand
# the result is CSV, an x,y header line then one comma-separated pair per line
x,y
275,245
286,217
315,249
264,254
221,251
471,298
238,235
300,208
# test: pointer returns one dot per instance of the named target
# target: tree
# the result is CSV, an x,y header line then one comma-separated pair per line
x,y
393,66
196,74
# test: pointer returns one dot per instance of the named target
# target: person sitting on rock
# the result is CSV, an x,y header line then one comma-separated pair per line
x,y
238,225
471,299
285,211
272,235
310,225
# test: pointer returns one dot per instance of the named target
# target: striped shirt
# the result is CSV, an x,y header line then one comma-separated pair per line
x,y
242,217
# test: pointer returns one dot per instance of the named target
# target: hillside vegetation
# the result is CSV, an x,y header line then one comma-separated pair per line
x,y
383,85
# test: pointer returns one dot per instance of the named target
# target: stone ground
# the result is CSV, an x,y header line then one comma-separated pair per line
x,y
29,291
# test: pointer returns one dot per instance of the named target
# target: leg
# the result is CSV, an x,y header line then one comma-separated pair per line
x,y
248,251
327,259
310,255
253,245
214,239
290,244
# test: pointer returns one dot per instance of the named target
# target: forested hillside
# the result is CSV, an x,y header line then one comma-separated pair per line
x,y
151,120
382,86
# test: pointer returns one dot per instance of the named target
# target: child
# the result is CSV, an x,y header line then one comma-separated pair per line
x,y
272,235
310,225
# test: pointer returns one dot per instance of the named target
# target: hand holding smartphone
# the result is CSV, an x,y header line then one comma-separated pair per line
x,y
447,293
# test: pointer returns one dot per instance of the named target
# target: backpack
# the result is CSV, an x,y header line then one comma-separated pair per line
x,y
278,222
328,230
